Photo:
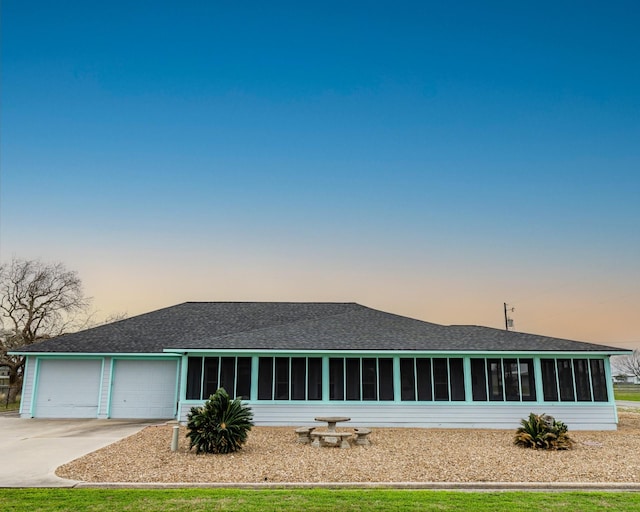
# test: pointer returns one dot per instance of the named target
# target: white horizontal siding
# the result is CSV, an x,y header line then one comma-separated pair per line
x,y
501,416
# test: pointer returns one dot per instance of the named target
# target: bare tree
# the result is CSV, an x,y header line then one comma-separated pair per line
x,y
37,301
630,364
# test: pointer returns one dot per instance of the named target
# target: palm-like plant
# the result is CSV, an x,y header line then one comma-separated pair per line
x,y
544,432
220,426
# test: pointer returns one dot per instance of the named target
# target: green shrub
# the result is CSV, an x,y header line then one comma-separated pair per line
x,y
543,432
220,426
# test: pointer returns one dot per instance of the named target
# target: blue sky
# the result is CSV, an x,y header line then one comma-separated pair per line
x,y
431,159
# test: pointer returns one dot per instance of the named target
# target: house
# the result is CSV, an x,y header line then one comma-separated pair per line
x,y
620,374
294,361
4,377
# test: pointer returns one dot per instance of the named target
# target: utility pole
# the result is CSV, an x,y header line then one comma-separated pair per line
x,y
508,322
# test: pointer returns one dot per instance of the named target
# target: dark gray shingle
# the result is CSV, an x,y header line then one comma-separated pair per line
x,y
294,326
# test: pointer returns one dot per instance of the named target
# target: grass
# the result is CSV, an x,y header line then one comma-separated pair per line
x,y
627,392
309,500
13,406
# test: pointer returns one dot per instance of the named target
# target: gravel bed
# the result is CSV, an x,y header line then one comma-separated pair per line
x,y
395,455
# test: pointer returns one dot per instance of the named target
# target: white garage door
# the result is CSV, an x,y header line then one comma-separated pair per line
x,y
68,388
144,389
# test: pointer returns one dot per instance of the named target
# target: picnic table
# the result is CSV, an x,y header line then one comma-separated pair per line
x,y
331,421
331,436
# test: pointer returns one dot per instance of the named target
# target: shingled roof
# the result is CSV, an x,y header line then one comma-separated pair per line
x,y
294,326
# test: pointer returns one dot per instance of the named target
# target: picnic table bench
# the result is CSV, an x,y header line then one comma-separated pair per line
x,y
304,434
362,436
330,436
327,438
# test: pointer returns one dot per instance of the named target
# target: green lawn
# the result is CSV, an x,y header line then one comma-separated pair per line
x,y
627,392
309,500
14,406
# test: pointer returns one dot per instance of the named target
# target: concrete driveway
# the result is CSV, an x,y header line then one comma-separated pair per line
x,y
32,449
627,404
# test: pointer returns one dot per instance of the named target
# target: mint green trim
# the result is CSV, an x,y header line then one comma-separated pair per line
x,y
177,388
536,370
325,381
253,395
173,352
397,381
95,355
182,389
391,353
112,365
100,387
83,358
202,375
573,374
590,377
609,380
435,403
468,388
537,379
34,394
25,378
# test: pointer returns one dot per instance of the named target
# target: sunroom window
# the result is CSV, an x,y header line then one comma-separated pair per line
x,y
431,379
206,374
500,380
355,378
571,380
290,378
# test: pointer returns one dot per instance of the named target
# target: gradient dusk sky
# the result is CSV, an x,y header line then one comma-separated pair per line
x,y
431,159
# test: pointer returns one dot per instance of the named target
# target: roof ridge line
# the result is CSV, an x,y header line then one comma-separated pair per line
x,y
297,322
264,302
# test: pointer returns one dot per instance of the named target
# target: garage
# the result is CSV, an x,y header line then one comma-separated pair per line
x,y
144,389
68,388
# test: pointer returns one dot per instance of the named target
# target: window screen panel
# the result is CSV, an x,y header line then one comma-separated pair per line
x,y
385,378
243,381
424,380
281,389
583,384
336,378
478,380
511,384
549,380
314,382
599,380
407,379
352,378
456,377
494,372
265,378
298,378
194,378
210,384
527,381
565,380
228,375
440,379
369,379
